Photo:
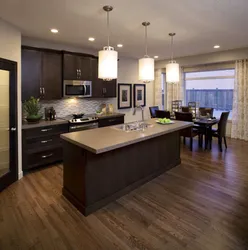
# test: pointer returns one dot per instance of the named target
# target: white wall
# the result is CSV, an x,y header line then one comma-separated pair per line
x,y
127,73
10,48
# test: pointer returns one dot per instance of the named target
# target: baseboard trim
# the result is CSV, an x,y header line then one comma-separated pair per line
x,y
20,175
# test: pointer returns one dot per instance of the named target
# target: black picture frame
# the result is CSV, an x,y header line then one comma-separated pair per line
x,y
127,87
136,88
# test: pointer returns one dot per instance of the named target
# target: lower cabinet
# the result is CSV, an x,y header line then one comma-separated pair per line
x,y
42,146
104,122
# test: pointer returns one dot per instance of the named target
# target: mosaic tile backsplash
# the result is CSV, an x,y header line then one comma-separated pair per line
x,y
69,106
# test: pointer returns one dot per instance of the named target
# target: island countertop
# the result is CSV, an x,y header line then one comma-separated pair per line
x,y
109,138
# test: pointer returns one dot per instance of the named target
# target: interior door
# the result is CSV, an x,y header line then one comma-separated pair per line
x,y
8,123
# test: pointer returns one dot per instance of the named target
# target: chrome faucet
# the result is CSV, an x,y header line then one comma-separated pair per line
x,y
142,110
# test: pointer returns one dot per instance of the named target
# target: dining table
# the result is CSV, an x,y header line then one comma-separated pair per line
x,y
206,124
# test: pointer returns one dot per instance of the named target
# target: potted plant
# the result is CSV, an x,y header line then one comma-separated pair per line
x,y
32,108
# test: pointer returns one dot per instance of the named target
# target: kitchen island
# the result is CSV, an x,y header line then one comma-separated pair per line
x,y
100,165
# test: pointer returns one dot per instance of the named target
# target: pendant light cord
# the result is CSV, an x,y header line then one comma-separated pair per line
x,y
108,27
172,54
146,40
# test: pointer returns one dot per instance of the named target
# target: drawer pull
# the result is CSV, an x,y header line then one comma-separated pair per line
x,y
46,129
46,156
112,120
43,142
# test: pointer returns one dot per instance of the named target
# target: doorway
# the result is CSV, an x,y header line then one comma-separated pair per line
x,y
8,123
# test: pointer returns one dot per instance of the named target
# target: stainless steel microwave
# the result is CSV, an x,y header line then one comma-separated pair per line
x,y
77,88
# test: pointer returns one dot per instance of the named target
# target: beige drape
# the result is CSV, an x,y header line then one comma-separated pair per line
x,y
240,101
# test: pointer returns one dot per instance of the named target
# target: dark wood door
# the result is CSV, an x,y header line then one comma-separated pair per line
x,y
85,68
109,88
70,67
31,73
51,75
8,123
97,84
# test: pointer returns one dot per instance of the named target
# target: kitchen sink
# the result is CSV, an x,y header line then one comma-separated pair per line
x,y
133,126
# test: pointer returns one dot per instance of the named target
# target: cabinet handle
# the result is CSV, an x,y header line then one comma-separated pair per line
x,y
43,91
40,91
46,129
46,156
112,120
50,140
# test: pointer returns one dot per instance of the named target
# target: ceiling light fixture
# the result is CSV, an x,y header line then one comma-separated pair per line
x,y
108,63
119,45
156,57
146,64
92,39
54,31
216,46
172,68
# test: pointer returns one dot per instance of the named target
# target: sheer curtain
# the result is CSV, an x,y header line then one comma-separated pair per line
x,y
240,101
175,91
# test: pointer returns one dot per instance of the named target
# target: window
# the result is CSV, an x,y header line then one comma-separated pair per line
x,y
213,89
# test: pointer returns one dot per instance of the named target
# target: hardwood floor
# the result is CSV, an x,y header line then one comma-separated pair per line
x,y
201,204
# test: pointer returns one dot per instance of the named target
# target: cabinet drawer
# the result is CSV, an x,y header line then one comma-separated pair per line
x,y
111,121
44,157
48,130
40,142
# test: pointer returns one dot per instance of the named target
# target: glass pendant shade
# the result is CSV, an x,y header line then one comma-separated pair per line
x,y
172,72
146,70
107,64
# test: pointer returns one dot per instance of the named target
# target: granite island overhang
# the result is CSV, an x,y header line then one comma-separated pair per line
x,y
100,165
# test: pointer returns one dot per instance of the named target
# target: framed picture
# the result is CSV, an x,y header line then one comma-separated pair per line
x,y
139,95
124,95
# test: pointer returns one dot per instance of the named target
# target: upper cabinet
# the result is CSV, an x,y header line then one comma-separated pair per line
x,y
41,74
77,67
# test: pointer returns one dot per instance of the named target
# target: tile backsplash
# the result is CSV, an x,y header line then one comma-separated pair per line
x,y
69,106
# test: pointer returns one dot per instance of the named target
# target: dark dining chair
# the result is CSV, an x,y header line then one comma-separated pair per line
x,y
153,111
220,132
188,132
163,114
185,109
205,111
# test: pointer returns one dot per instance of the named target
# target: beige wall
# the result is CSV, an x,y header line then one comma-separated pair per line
x,y
10,48
127,73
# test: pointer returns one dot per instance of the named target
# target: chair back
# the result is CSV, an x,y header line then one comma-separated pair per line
x,y
153,111
204,111
184,116
185,109
222,123
163,114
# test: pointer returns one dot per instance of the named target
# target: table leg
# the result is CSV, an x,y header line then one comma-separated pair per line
x,y
206,137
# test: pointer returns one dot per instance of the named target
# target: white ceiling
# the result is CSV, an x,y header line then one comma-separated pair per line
x,y
199,24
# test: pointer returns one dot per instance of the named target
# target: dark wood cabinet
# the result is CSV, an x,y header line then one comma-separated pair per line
x,y
100,88
31,73
41,74
105,122
77,67
51,75
42,145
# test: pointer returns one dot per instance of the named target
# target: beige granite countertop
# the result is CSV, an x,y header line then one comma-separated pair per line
x,y
109,138
43,123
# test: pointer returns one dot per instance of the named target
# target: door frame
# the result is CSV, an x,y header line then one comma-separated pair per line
x,y
12,175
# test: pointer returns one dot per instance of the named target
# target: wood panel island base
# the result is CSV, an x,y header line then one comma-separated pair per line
x,y
103,164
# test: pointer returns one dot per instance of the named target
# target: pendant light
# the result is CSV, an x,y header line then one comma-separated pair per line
x,y
146,64
107,63
172,68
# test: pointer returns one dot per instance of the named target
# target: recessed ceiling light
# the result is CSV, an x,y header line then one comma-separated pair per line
x,y
156,57
216,46
92,39
119,45
54,31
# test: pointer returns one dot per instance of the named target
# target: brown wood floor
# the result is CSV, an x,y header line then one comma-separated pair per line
x,y
201,204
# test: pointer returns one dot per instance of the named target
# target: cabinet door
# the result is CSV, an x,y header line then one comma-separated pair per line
x,y
70,67
109,88
97,84
52,75
31,73
84,65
